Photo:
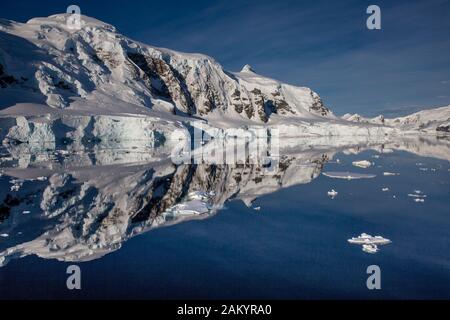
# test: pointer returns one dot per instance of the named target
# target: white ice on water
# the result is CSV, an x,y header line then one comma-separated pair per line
x,y
370,248
347,175
369,243
390,174
332,193
362,164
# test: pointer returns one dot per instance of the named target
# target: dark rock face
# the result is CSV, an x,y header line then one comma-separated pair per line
x,y
236,101
318,106
443,128
163,81
5,208
5,79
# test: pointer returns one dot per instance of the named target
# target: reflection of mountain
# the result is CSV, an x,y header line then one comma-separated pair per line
x,y
88,204
95,119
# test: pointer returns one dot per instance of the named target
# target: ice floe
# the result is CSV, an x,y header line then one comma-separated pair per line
x,y
332,193
370,248
418,196
369,244
390,174
347,175
362,164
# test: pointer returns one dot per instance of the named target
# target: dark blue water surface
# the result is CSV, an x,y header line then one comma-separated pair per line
x,y
294,247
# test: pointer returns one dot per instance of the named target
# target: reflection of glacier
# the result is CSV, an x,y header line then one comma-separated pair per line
x,y
94,200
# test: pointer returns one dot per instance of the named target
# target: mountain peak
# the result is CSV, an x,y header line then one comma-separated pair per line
x,y
247,68
61,19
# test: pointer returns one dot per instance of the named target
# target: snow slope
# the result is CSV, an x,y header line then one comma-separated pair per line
x,y
432,120
59,85
97,69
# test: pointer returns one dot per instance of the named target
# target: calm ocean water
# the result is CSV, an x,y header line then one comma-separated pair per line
x,y
295,246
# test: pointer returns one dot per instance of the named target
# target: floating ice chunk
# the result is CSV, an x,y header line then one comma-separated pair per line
x,y
416,195
370,248
41,178
385,189
362,164
419,200
347,175
369,244
4,235
257,208
332,193
365,238
390,174
339,161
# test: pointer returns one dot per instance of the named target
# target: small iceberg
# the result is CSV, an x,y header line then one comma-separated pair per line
x,y
418,196
332,193
362,164
370,248
390,174
348,175
257,208
385,189
365,238
369,244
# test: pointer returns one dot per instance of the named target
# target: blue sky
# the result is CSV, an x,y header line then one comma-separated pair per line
x,y
324,45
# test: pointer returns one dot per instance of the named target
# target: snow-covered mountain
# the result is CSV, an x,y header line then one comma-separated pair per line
x,y
432,120
90,84
98,70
